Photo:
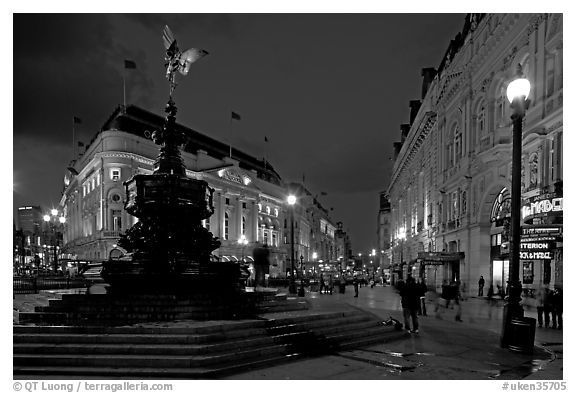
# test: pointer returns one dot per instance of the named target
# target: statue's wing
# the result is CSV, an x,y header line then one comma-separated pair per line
x,y
188,57
168,37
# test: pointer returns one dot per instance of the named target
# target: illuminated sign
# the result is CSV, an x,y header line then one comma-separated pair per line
x,y
536,246
530,255
542,206
539,231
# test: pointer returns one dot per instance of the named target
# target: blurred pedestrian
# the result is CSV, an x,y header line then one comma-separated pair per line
x,y
481,286
422,304
491,300
330,284
457,297
355,283
321,282
410,294
540,305
261,264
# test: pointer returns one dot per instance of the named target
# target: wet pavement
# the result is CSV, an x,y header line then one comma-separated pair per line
x,y
444,349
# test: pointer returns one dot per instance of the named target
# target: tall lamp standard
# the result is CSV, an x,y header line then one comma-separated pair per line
x,y
292,286
517,93
243,242
52,220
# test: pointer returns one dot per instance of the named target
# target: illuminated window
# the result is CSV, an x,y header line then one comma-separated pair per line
x,y
259,207
115,174
267,209
276,212
501,206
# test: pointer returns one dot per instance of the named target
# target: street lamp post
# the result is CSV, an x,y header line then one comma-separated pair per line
x,y
292,285
301,289
243,242
517,93
52,220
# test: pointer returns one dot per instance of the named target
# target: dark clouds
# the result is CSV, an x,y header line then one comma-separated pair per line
x,y
328,90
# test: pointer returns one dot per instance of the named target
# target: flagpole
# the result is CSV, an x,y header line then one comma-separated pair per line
x,y
73,138
230,134
124,87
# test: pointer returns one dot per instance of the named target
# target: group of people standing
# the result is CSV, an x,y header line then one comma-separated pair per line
x,y
413,304
549,302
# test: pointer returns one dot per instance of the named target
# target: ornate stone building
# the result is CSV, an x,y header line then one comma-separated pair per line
x,y
249,197
449,189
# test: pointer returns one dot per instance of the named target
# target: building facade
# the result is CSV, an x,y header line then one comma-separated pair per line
x,y
449,191
250,199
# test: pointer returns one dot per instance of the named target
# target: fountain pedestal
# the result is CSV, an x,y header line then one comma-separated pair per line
x,y
169,249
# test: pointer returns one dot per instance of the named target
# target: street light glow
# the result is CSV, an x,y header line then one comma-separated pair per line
x,y
518,88
291,199
62,219
46,217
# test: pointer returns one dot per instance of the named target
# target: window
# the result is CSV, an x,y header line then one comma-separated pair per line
x,y
276,212
243,226
243,205
481,120
274,239
116,220
115,174
227,201
259,207
98,179
265,237
226,225
267,209
115,198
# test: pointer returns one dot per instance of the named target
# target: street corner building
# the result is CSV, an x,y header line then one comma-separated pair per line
x,y
445,215
250,206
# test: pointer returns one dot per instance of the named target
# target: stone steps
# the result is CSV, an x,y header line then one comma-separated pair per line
x,y
189,349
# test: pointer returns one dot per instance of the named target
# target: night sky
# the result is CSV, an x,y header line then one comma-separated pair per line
x,y
329,91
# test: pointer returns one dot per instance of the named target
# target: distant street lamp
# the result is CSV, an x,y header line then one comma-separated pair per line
x,y
517,93
243,242
292,286
53,220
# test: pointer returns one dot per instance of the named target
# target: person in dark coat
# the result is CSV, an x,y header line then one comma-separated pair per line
x,y
261,264
355,283
410,294
557,308
481,286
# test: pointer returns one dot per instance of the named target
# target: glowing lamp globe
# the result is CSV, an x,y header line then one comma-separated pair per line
x,y
518,88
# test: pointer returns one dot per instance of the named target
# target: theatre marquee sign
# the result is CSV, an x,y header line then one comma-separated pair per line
x,y
544,205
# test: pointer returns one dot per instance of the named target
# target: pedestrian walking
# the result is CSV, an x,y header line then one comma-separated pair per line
x,y
457,296
422,304
321,282
410,294
540,303
491,300
481,286
330,284
355,283
545,298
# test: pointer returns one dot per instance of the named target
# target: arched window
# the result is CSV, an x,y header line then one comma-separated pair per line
x,y
457,144
481,119
501,207
226,225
